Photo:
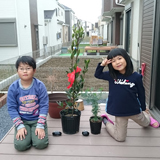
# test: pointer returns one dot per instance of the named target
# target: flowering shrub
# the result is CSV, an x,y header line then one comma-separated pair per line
x,y
71,76
75,74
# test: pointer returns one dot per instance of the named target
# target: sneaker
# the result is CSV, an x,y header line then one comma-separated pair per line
x,y
105,116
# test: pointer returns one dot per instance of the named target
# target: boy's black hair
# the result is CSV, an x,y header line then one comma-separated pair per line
x,y
129,67
26,60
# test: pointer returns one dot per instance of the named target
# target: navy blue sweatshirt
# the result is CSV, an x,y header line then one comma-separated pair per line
x,y
126,94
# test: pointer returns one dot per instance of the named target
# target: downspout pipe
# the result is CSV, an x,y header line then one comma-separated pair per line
x,y
116,1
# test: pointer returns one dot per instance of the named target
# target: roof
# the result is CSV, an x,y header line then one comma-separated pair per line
x,y
48,14
67,8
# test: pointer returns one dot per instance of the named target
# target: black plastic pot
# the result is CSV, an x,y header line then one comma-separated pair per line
x,y
95,126
70,124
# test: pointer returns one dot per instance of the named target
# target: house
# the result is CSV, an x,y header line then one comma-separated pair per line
x,y
30,26
148,49
137,30
112,14
102,27
16,27
70,20
51,16
123,26
89,28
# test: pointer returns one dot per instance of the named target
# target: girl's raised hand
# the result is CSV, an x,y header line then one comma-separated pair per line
x,y
106,61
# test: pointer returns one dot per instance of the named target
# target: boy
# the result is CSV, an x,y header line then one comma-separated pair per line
x,y
27,103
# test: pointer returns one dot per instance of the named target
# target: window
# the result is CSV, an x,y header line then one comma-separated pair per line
x,y
128,31
111,32
121,30
108,32
58,35
58,12
8,31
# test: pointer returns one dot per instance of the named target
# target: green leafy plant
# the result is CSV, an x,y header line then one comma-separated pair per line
x,y
93,98
76,75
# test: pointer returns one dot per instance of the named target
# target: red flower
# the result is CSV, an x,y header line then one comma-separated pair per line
x,y
78,69
71,76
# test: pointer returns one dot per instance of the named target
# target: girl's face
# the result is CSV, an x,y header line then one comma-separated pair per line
x,y
119,64
25,72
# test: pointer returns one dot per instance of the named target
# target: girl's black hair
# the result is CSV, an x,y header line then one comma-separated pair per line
x,y
129,67
26,60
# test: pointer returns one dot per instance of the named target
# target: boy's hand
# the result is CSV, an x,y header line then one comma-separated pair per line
x,y
106,61
21,134
40,133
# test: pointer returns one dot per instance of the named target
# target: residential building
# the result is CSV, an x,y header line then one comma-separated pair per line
x,y
70,20
112,15
102,26
30,26
146,31
88,27
51,17
16,27
138,33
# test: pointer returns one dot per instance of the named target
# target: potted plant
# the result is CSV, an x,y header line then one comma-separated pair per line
x,y
54,108
95,120
70,116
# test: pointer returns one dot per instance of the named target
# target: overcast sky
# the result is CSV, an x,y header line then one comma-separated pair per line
x,y
88,10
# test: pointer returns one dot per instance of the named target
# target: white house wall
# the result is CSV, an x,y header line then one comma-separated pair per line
x,y
105,32
135,29
72,22
41,22
101,31
20,10
49,28
109,33
23,16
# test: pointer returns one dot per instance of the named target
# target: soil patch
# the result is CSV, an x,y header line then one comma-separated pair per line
x,y
55,71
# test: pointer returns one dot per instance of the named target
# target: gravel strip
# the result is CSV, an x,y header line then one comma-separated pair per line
x,y
5,122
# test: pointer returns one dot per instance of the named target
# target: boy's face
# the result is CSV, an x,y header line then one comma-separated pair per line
x,y
25,72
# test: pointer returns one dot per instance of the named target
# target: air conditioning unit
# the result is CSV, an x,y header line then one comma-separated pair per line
x,y
45,40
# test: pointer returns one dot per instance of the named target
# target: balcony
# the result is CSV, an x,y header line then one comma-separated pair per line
x,y
123,1
141,143
109,8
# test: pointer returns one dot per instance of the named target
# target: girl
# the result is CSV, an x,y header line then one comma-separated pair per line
x,y
126,98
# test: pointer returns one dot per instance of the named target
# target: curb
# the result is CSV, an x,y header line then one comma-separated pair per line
x,y
3,100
